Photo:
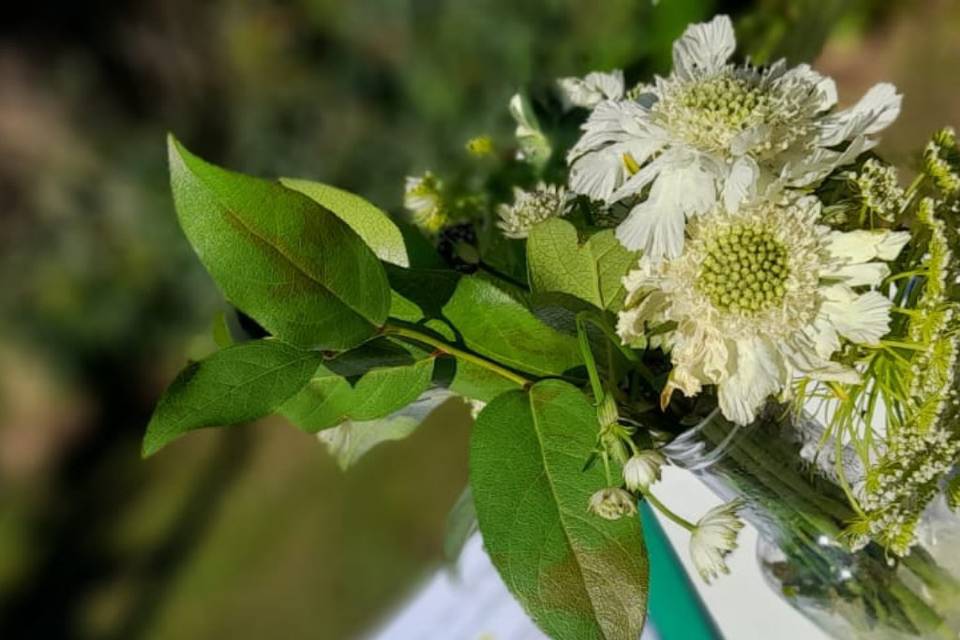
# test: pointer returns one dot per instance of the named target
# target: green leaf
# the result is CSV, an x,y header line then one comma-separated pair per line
x,y
461,524
420,293
287,262
370,222
240,383
591,271
329,398
497,324
577,575
349,441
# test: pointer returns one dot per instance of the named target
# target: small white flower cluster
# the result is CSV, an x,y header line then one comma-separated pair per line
x,y
530,208
922,450
907,481
879,190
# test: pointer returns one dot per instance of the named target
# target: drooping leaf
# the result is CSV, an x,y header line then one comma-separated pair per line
x,y
370,222
243,382
293,266
497,324
577,575
461,524
349,441
591,271
330,398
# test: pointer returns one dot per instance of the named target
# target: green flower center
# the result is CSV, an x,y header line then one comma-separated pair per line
x,y
709,113
745,270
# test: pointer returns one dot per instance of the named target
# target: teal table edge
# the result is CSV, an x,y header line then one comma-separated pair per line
x,y
675,609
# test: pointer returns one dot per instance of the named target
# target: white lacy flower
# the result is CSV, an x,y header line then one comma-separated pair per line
x,y
612,504
715,537
592,89
643,469
530,208
759,296
712,131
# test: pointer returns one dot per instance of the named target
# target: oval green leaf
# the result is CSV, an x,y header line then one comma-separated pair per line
x,y
287,262
370,222
329,398
499,325
578,576
592,271
243,382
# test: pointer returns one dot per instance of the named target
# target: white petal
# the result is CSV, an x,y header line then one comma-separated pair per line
x,y
875,112
864,245
597,174
761,372
812,168
655,231
860,318
593,88
802,355
703,48
870,274
656,225
741,184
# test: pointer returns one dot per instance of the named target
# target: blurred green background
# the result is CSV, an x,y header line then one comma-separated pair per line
x,y
253,532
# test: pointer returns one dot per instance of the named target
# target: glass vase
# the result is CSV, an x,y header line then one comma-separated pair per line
x,y
777,466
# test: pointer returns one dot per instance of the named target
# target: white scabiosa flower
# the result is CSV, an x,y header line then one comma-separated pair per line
x,y
710,131
531,207
643,469
760,296
714,538
592,89
612,503
422,198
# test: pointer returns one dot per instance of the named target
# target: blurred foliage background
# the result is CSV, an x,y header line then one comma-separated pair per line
x,y
253,532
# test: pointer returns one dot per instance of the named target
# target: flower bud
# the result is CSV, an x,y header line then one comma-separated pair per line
x,y
643,469
612,503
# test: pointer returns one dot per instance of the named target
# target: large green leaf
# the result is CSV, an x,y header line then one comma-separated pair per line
x,y
370,222
289,263
591,271
578,576
243,382
329,398
349,441
497,324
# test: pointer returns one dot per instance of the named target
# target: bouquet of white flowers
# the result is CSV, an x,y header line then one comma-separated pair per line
x,y
710,269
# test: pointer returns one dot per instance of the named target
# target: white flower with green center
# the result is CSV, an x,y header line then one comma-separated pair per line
x,y
423,198
762,295
716,132
530,208
714,538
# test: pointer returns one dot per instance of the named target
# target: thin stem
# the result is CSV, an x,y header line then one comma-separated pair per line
x,y
588,358
450,350
662,508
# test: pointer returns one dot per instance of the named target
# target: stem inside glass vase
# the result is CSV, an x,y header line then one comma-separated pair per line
x,y
800,513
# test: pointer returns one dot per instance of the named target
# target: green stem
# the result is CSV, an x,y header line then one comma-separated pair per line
x,y
460,354
662,508
588,358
